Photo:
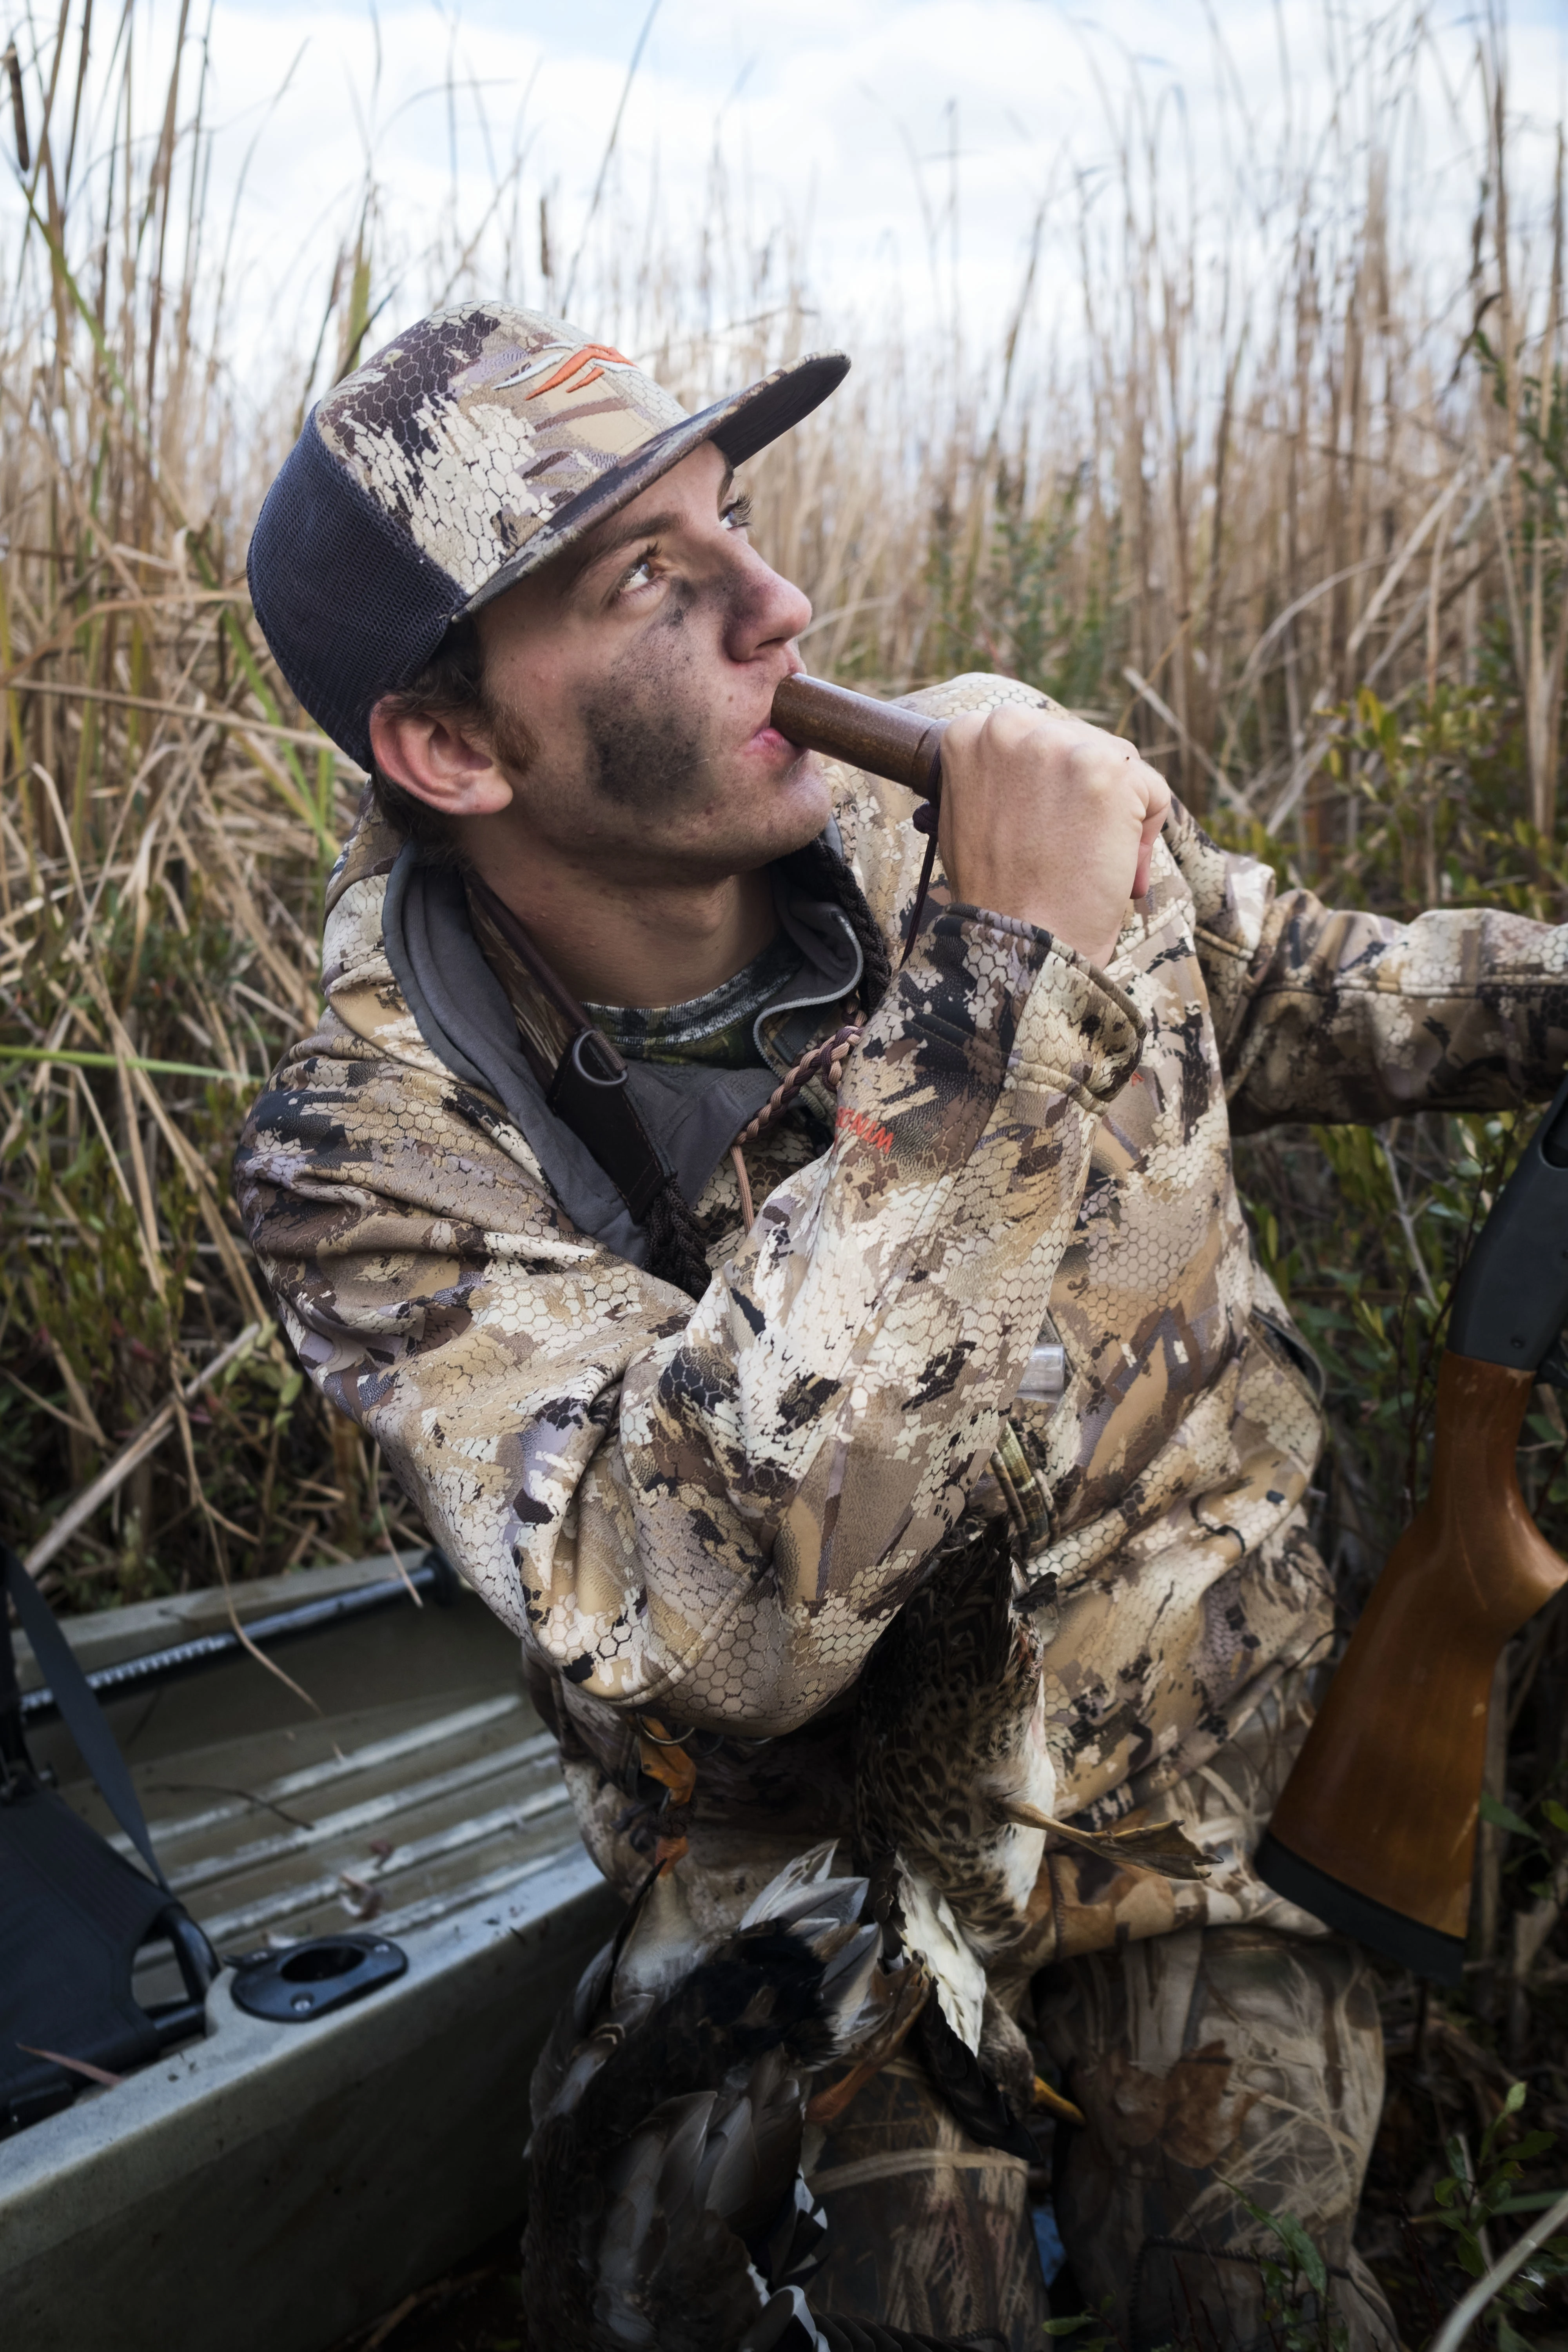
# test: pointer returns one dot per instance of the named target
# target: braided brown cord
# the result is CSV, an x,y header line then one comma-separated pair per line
x,y
748,1213
826,1060
675,1247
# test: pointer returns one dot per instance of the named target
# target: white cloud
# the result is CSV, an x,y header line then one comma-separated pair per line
x,y
906,144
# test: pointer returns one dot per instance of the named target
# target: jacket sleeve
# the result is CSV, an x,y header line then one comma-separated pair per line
x,y
710,1511
1351,1016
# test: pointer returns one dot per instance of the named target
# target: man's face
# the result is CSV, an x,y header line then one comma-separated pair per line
x,y
639,669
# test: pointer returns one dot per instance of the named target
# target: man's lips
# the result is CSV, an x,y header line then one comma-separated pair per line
x,y
770,743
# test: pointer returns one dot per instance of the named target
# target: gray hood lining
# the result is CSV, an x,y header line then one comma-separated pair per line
x,y
691,1113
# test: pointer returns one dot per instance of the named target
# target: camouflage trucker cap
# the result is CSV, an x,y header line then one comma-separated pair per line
x,y
462,456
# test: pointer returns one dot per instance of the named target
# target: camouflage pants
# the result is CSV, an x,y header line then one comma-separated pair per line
x,y
926,2230
1210,2062
1216,2060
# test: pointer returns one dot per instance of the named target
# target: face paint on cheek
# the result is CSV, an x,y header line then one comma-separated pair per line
x,y
642,759
648,724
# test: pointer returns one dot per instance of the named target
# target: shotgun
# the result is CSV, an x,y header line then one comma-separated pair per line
x,y
1375,1830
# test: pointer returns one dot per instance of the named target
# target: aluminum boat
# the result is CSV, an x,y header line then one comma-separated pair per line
x,y
282,2180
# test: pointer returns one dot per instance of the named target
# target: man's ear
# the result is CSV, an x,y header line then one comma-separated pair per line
x,y
437,761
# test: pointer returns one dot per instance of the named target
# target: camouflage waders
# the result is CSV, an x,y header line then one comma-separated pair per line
x,y
1214,2057
1214,2060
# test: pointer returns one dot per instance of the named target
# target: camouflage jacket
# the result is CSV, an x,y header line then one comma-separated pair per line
x,y
710,1513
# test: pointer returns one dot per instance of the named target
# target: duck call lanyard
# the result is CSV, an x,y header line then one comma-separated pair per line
x,y
584,1078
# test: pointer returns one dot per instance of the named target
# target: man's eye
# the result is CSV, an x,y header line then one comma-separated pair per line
x,y
737,515
641,572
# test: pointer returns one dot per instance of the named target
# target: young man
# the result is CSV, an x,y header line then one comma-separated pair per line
x,y
702,1464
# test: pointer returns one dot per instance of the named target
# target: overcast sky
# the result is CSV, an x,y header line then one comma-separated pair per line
x,y
907,145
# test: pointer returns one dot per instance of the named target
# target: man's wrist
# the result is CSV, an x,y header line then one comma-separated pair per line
x,y
1069,929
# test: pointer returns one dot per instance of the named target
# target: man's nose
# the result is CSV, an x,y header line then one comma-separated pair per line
x,y
765,609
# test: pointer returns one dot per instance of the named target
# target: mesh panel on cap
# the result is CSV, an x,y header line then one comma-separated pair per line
x,y
346,602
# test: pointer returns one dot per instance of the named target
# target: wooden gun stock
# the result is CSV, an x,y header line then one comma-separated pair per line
x,y
1376,1832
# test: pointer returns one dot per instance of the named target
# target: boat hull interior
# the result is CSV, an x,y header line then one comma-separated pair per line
x,y
277,2184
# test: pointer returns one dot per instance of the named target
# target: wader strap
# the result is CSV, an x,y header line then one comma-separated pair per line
x,y
588,1093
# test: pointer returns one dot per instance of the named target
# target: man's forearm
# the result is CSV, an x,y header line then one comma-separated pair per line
x,y
1342,1015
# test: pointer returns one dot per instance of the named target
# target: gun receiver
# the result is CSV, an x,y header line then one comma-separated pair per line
x,y
1376,1832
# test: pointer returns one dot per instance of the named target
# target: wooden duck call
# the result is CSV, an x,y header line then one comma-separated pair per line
x,y
1376,1832
901,745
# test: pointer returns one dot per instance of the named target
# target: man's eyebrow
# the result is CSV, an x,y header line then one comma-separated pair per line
x,y
627,535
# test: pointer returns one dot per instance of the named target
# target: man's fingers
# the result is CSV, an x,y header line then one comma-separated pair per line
x,y
1158,809
1040,816
962,731
1156,798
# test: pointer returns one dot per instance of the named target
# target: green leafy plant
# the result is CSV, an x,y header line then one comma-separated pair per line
x,y
1295,2310
1473,2196
1107,2339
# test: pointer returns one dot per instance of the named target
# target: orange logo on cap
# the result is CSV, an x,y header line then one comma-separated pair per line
x,y
572,366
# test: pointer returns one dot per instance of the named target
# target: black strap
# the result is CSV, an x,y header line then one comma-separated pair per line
x,y
584,1081
600,1114
924,820
73,1695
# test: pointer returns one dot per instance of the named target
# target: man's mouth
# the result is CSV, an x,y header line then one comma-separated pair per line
x,y
769,741
775,750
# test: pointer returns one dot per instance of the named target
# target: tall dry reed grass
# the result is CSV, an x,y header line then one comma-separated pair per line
x,y
1250,479
1272,485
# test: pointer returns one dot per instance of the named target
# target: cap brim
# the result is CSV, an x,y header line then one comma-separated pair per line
x,y
737,426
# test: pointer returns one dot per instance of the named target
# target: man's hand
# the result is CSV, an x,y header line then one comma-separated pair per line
x,y
1048,819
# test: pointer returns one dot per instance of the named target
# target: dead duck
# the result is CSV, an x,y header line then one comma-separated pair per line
x,y
666,2207
955,1797
667,2211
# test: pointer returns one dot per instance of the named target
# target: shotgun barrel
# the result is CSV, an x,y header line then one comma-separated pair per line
x,y
901,745
1375,1830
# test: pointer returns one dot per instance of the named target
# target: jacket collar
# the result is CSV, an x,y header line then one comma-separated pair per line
x,y
391,919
